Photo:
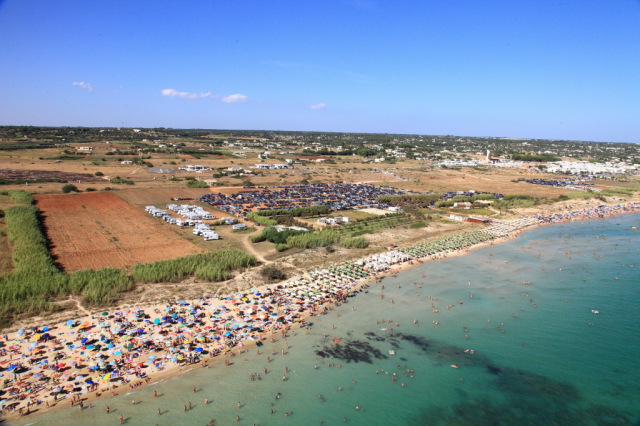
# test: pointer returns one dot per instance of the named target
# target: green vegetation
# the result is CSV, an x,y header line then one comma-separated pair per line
x,y
246,230
478,197
543,158
23,181
261,220
272,235
197,184
118,179
69,188
420,200
214,266
324,238
297,212
617,191
272,273
418,225
100,287
460,199
19,197
444,203
35,278
515,201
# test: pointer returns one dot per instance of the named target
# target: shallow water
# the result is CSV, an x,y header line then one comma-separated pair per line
x,y
541,355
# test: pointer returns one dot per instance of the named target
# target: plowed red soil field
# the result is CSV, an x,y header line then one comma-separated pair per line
x,y
101,230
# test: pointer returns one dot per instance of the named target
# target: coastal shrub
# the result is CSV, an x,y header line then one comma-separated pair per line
x,y
354,242
460,198
478,197
281,247
175,270
211,272
261,220
260,237
281,237
100,287
420,200
35,277
316,239
272,273
444,203
297,211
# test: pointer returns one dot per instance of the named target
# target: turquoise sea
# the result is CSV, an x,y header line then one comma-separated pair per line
x,y
552,318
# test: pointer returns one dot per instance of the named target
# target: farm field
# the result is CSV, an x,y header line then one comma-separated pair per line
x,y
96,230
159,196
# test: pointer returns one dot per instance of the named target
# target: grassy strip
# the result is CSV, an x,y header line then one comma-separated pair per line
x,y
261,220
35,278
421,200
324,238
100,287
214,266
19,197
297,211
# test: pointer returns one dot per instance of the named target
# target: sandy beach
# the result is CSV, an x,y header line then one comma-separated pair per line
x,y
100,355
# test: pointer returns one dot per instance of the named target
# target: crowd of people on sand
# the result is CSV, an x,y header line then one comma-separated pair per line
x,y
337,196
41,366
590,211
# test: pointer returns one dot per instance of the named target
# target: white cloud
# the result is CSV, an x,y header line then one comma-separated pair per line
x,y
231,99
321,105
176,94
84,85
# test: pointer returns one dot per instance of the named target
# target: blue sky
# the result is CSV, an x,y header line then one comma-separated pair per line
x,y
540,69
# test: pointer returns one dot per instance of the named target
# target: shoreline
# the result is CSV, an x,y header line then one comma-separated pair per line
x,y
279,290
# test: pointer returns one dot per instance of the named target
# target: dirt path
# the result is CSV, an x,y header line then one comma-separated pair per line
x,y
79,305
251,250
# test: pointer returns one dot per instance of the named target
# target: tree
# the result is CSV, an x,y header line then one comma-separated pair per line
x,y
69,188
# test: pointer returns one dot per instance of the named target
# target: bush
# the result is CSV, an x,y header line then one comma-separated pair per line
x,y
197,184
272,273
99,174
69,188
281,247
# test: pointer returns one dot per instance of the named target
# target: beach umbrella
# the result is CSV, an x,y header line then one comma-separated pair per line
x,y
156,321
21,332
152,357
70,323
13,367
